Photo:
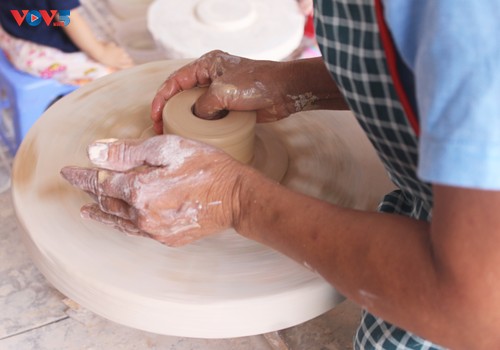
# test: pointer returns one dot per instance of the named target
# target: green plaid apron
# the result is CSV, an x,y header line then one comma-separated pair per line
x,y
349,38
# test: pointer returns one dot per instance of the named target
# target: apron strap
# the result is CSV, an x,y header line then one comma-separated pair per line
x,y
391,57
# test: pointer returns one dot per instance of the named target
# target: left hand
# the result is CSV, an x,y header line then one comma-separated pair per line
x,y
171,189
233,83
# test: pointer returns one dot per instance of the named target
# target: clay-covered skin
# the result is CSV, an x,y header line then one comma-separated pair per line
x,y
273,89
171,189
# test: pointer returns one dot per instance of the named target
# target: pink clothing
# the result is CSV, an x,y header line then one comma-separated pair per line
x,y
47,62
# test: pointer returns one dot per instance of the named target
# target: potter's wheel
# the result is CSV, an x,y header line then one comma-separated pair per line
x,y
223,286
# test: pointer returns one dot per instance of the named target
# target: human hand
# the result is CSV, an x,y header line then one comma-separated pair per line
x,y
234,83
113,56
171,189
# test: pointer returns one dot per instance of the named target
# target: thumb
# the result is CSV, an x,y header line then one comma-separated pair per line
x,y
123,155
115,154
209,106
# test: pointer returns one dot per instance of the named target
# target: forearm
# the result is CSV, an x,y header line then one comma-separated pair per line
x,y
310,86
83,37
364,255
386,263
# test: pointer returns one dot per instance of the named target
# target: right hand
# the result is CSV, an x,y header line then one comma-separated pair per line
x,y
234,83
171,189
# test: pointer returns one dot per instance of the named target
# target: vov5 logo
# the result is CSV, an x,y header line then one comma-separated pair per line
x,y
35,17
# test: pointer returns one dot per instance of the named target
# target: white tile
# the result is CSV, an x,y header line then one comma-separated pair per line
x,y
26,299
93,332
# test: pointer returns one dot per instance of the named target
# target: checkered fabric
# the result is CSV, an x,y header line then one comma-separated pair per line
x,y
348,35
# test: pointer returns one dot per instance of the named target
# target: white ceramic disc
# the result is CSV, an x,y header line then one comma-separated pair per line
x,y
258,29
219,287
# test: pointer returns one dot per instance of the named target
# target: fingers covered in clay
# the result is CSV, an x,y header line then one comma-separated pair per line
x,y
122,155
99,182
178,191
117,207
94,212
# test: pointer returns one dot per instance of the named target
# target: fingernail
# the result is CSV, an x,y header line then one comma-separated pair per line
x,y
98,151
65,173
84,213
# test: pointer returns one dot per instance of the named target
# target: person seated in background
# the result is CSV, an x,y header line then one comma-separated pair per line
x,y
70,54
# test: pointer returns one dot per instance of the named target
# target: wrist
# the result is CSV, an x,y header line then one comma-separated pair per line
x,y
310,87
243,194
251,196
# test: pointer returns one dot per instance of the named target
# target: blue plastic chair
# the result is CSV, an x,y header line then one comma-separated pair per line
x,y
23,97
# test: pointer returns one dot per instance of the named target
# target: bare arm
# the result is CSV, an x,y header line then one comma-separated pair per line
x,y
438,280
106,53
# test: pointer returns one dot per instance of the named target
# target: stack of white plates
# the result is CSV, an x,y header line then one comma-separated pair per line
x,y
258,29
